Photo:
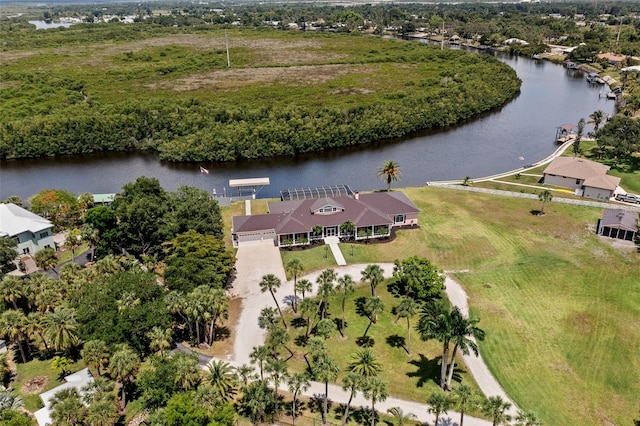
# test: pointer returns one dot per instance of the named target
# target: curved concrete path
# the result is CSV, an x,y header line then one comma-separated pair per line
x,y
250,335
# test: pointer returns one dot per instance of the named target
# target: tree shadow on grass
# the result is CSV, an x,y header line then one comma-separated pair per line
x,y
298,322
396,341
360,301
301,340
222,333
365,341
427,370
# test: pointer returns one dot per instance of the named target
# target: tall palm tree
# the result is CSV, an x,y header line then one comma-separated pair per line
x,y
267,318
316,347
326,288
545,196
123,368
528,418
308,308
596,119
95,354
91,235
245,374
464,331
11,290
223,378
435,323
256,400
47,259
376,390
271,283
346,286
373,275
67,408
496,409
176,303
364,363
303,286
13,328
159,339
348,229
60,328
102,413
390,172
325,370
187,370
352,383
464,399
216,308
439,403
295,268
407,309
298,383
279,338
400,418
325,327
34,327
278,371
259,355
373,306
73,242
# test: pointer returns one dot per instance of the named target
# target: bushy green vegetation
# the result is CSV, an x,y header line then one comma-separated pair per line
x,y
286,94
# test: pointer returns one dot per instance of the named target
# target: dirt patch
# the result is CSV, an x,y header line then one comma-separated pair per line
x,y
35,385
295,75
7,84
223,346
580,322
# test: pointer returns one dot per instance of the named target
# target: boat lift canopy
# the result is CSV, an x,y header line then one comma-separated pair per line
x,y
249,185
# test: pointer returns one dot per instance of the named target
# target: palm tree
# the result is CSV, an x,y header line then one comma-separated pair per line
x,y
303,286
67,408
527,418
326,288
92,236
60,328
373,306
72,242
176,303
348,228
364,363
12,326
495,408
325,370
407,308
376,390
298,383
325,327
222,377
34,328
256,400
439,403
295,268
316,347
465,399
308,307
463,329
373,274
159,339
98,389
259,355
596,119
437,324
271,283
47,259
278,371
9,401
102,413
123,368
390,172
401,419
246,374
545,196
351,382
267,318
11,290
346,286
187,370
95,354
279,338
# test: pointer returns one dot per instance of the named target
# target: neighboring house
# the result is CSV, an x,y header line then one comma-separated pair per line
x,y
292,222
618,223
611,58
77,380
587,178
32,232
103,199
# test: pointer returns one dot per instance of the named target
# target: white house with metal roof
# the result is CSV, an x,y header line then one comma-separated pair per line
x,y
32,232
78,380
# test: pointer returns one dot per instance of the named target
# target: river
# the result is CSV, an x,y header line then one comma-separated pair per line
x,y
493,143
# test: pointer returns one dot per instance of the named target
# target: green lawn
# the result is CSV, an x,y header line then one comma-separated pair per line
x,y
559,304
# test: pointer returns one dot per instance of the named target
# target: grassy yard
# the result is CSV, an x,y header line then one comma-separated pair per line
x,y
559,304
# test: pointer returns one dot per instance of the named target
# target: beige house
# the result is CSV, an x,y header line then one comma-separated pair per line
x,y
618,223
587,178
300,222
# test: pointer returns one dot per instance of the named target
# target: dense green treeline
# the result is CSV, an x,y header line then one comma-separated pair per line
x,y
128,100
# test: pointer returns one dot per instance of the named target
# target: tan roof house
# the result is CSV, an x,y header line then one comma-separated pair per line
x,y
587,178
294,222
618,223
611,57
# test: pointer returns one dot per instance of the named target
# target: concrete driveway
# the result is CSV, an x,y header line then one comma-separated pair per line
x,y
255,259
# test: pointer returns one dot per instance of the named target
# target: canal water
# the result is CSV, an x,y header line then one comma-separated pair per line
x,y
493,143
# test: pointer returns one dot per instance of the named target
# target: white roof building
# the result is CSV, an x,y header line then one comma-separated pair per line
x,y
76,380
32,232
